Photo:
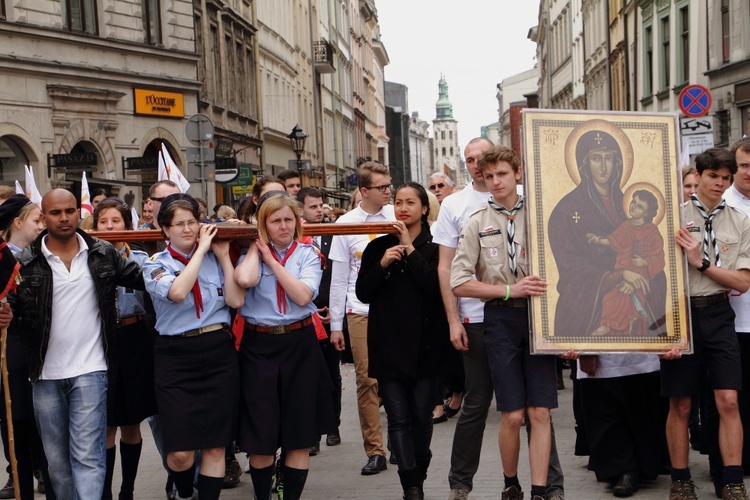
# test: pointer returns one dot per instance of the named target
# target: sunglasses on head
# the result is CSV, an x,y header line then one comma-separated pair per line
x,y
439,185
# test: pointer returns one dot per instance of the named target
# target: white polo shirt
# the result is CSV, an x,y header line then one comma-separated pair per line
x,y
75,342
740,301
346,257
446,231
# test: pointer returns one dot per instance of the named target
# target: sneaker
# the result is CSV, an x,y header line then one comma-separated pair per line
x,y
459,494
558,495
8,491
734,491
682,490
512,493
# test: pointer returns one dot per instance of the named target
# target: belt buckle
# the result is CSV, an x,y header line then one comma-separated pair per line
x,y
278,329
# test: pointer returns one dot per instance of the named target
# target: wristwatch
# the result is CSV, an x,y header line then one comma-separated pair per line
x,y
706,264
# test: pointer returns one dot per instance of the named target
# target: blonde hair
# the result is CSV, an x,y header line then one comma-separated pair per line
x,y
22,215
272,205
226,212
434,208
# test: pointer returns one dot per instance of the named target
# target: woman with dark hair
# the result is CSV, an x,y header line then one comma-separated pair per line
x,y
130,397
192,287
406,331
286,390
20,224
249,208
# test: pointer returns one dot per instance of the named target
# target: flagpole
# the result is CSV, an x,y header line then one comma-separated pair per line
x,y
9,413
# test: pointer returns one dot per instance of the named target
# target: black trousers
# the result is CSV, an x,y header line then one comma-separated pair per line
x,y
409,405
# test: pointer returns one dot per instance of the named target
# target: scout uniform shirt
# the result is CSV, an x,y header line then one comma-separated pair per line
x,y
482,249
732,230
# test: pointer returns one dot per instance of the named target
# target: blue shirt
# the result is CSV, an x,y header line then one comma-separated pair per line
x,y
131,302
260,306
173,318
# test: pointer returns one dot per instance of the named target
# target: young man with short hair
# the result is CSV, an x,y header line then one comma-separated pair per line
x,y
292,181
374,184
311,200
493,247
716,242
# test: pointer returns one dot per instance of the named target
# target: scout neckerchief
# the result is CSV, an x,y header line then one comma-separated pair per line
x,y
708,232
197,295
511,214
280,293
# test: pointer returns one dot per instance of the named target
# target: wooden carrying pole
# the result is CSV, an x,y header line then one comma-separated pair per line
x,y
9,415
229,231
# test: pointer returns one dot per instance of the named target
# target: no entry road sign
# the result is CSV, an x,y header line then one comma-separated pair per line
x,y
695,100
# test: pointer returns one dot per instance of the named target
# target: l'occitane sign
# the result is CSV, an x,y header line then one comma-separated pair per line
x,y
156,102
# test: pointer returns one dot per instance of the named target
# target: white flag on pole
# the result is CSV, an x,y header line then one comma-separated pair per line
x,y
86,207
135,217
173,172
19,189
31,190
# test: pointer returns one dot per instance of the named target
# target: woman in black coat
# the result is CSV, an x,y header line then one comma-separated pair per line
x,y
406,331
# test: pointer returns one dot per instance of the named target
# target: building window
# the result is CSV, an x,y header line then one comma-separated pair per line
x,y
151,21
725,30
80,15
450,134
665,52
2,9
443,151
11,159
648,70
722,116
442,135
685,44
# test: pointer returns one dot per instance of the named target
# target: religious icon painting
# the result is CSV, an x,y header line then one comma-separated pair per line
x,y
603,194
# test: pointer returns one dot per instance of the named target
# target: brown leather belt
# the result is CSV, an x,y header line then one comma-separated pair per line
x,y
200,331
708,300
519,302
132,320
279,329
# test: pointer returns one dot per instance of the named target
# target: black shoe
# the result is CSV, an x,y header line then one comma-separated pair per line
x,y
314,450
439,420
450,412
375,464
232,474
39,482
414,493
392,459
695,438
626,486
333,439
8,491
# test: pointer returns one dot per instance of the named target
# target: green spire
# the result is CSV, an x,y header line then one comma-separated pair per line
x,y
443,106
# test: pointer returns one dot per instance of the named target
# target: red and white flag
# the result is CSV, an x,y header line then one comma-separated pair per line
x,y
86,207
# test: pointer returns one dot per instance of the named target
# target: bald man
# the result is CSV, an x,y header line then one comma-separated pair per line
x,y
79,275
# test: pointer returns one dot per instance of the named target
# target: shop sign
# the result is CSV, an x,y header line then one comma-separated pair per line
x,y
158,103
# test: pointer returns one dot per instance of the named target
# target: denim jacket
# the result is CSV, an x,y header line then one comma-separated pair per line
x,y
33,305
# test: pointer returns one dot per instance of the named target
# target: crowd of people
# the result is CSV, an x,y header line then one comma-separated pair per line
x,y
224,349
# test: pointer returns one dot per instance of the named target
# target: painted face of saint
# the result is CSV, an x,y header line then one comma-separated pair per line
x,y
602,164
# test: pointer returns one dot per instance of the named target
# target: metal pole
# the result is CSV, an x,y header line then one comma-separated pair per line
x,y
204,186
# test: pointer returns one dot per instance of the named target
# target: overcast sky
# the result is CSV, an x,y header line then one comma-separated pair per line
x,y
474,43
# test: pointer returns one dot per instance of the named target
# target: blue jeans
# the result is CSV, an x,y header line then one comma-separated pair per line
x,y
71,415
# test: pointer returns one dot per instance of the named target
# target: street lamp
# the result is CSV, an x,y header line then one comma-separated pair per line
x,y
297,138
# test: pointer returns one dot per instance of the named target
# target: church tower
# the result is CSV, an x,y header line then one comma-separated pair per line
x,y
445,129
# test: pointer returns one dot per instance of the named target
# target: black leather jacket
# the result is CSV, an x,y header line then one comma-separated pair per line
x,y
33,305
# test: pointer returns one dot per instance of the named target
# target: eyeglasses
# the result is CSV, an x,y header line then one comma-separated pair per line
x,y
383,188
439,185
189,223
154,198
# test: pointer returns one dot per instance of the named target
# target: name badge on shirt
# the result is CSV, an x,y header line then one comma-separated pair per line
x,y
493,232
694,229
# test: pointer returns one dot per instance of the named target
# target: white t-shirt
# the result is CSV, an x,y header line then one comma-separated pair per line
x,y
346,259
622,365
454,212
75,340
740,301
